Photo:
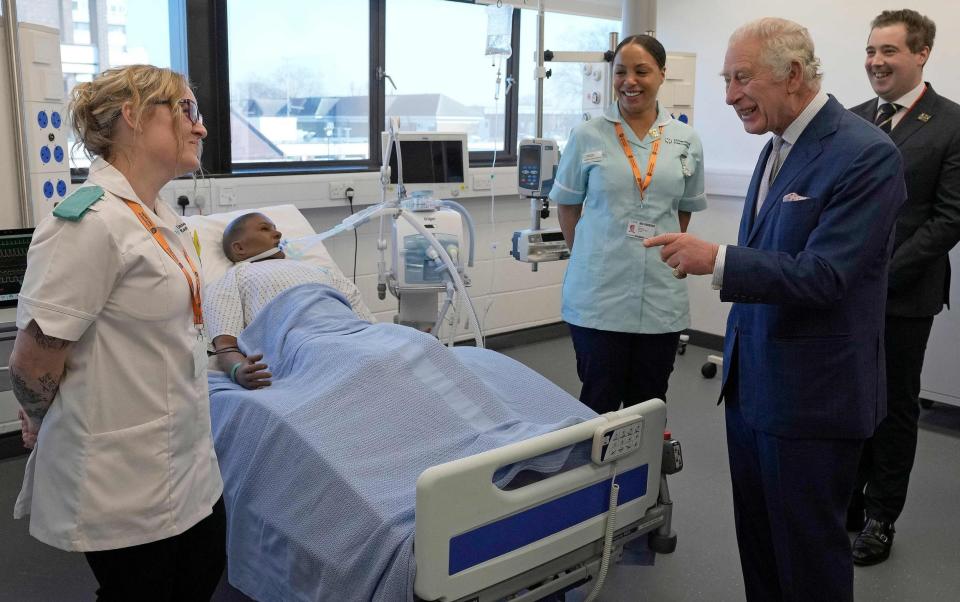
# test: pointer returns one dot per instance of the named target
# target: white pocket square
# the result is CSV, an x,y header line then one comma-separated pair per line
x,y
793,197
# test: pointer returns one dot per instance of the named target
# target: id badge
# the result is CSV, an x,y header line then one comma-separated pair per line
x,y
640,230
199,355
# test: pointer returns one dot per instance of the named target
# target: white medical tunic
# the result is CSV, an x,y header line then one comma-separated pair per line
x,y
232,302
124,455
612,281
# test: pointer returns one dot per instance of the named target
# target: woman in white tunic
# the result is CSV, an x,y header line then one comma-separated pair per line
x,y
108,364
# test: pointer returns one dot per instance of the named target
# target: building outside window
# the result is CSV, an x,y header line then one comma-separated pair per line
x,y
563,91
123,32
444,81
299,80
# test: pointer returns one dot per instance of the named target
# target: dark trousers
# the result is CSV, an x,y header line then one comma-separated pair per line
x,y
617,367
186,567
790,501
888,457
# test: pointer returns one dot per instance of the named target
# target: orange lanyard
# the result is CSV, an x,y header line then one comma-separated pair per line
x,y
194,282
642,182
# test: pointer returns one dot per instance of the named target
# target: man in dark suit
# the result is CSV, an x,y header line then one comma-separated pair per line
x,y
803,352
926,128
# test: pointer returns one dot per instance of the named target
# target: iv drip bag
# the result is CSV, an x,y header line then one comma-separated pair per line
x,y
499,29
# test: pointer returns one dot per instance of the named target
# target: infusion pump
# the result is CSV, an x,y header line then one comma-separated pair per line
x,y
534,246
537,163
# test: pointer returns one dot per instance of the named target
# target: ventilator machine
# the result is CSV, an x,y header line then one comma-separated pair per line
x,y
426,234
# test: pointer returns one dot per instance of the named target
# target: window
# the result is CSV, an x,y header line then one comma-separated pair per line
x,y
444,81
127,32
299,81
563,90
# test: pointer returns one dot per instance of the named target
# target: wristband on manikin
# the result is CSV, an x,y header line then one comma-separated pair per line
x,y
233,371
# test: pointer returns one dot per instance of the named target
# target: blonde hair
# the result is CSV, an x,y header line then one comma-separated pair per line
x,y
95,107
782,43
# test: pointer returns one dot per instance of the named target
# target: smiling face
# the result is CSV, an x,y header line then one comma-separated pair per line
x,y
892,68
761,101
637,78
170,139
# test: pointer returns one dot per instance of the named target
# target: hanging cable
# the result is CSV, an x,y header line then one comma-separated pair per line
x,y
607,538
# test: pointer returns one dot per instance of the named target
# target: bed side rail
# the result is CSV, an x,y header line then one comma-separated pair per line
x,y
470,534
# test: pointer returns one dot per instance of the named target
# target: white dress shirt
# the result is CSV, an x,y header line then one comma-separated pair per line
x,y
905,102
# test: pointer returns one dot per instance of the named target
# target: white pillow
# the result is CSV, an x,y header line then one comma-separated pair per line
x,y
288,219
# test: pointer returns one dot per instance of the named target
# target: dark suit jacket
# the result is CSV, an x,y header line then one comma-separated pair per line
x,y
808,277
929,224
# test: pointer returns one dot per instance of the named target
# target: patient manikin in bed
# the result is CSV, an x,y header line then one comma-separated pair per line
x,y
261,271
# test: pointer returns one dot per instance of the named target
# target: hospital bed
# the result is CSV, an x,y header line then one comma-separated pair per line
x,y
478,540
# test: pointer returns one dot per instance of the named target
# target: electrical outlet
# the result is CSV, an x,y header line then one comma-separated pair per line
x,y
481,182
228,197
338,190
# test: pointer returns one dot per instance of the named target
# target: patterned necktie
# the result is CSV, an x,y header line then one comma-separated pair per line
x,y
885,114
775,158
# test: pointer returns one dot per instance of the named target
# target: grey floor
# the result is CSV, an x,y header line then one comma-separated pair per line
x,y
924,565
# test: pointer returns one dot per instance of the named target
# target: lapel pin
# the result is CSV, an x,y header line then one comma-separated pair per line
x,y
923,117
654,133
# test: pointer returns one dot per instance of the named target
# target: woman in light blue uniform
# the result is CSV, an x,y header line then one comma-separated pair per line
x,y
627,176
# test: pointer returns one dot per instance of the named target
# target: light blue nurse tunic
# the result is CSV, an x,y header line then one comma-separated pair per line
x,y
612,281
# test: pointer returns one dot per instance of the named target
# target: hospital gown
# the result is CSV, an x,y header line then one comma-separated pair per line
x,y
231,303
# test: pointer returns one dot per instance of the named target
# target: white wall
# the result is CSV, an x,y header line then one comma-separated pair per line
x,y
840,31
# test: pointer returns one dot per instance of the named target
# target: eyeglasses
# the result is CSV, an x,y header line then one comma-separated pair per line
x,y
189,108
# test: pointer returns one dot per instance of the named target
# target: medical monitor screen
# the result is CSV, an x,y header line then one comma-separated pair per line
x,y
13,263
530,155
429,162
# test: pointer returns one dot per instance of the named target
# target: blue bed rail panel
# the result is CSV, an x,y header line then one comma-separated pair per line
x,y
498,538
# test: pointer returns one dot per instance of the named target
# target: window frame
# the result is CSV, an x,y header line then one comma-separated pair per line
x,y
208,66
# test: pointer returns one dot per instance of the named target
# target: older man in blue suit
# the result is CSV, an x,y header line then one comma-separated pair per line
x,y
803,353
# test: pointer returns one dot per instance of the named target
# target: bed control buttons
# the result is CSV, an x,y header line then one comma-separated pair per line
x,y
672,456
617,439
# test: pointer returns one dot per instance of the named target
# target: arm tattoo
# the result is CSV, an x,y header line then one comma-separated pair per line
x,y
44,341
35,397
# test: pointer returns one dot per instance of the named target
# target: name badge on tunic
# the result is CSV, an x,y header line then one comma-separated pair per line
x,y
593,157
640,230
199,355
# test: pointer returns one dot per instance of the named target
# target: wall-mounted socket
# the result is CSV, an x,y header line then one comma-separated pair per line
x,y
196,195
228,197
483,182
338,190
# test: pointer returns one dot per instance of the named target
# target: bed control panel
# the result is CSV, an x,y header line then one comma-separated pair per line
x,y
617,439
672,456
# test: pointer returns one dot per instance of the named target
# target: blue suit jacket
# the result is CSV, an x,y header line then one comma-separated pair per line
x,y
809,280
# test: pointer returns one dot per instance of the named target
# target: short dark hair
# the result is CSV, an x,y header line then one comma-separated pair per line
x,y
234,231
648,43
920,29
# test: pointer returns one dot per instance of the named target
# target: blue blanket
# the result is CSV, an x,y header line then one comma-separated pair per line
x,y
320,468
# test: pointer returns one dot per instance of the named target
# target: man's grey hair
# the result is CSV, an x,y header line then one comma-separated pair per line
x,y
783,42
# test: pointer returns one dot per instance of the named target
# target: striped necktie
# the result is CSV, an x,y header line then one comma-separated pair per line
x,y
885,114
